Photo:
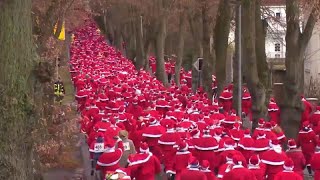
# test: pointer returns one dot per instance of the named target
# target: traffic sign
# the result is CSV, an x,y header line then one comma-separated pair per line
x,y
198,64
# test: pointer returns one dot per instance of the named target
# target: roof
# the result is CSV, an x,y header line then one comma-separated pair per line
x,y
273,2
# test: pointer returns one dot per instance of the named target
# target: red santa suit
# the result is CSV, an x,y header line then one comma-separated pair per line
x,y
239,172
261,144
256,167
307,140
246,103
225,168
315,162
181,159
205,149
297,156
205,169
144,165
307,110
260,128
193,172
288,172
315,117
109,160
245,145
273,111
229,146
166,142
236,133
274,159
151,135
226,99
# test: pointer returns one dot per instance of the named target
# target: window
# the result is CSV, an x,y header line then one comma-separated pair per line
x,y
278,15
277,47
277,55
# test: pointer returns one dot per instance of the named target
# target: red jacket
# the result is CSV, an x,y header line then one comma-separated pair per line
x,y
274,162
145,166
239,173
258,172
308,141
192,174
181,160
166,142
210,175
315,165
305,115
285,175
205,149
298,160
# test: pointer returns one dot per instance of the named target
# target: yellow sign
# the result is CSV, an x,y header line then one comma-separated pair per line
x,y
62,33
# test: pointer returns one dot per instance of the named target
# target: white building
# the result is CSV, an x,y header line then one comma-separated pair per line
x,y
275,12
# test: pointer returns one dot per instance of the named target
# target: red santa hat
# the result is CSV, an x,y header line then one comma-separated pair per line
x,y
229,143
261,122
273,124
254,160
288,165
306,124
183,146
205,165
195,132
267,125
237,160
247,132
193,162
292,144
229,157
153,120
144,148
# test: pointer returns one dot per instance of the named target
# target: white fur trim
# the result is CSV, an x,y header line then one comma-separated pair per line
x,y
304,132
237,166
166,143
317,112
141,161
281,137
260,149
170,171
193,169
206,148
245,148
182,152
151,135
221,97
272,162
120,171
220,176
273,109
109,164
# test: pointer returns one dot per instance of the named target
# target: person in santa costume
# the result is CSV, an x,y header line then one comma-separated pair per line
x,y
245,145
261,143
166,142
109,160
315,162
288,172
225,168
307,140
144,165
151,135
246,103
315,117
273,111
257,167
181,158
239,171
297,157
229,147
274,159
205,148
226,99
204,167
305,115
260,128
193,172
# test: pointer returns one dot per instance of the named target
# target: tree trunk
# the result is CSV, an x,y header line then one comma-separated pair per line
x,y
221,31
140,58
178,64
159,51
256,88
296,44
235,62
208,57
117,40
16,110
196,31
